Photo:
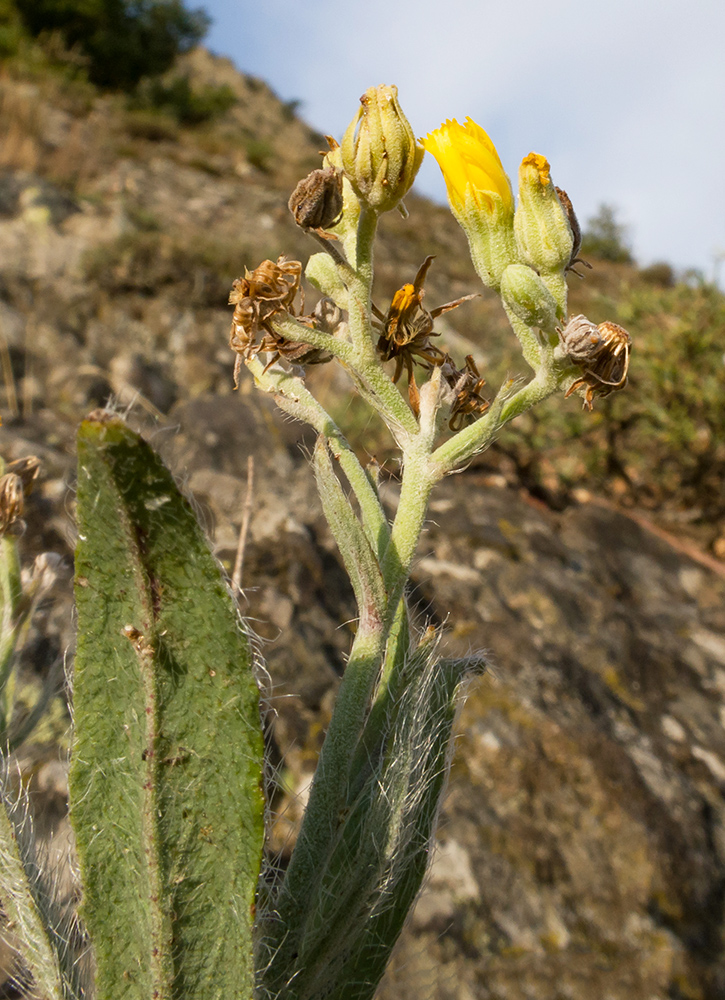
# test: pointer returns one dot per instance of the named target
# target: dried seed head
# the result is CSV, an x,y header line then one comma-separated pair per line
x,y
27,468
575,230
466,385
11,503
327,315
602,353
316,202
15,485
268,291
581,339
47,568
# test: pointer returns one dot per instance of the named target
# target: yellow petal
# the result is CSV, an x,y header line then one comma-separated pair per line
x,y
469,162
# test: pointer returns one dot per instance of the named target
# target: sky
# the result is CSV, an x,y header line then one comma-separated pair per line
x,y
625,98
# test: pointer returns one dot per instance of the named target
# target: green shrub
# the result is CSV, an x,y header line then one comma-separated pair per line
x,y
259,153
11,28
123,40
664,438
606,238
180,99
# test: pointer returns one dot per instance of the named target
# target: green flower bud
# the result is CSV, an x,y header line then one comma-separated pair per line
x,y
379,151
526,295
543,233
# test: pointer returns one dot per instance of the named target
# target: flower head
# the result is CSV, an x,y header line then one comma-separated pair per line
x,y
379,151
470,165
602,354
544,224
479,192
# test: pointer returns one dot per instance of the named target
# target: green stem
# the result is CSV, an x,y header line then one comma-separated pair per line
x,y
477,436
379,391
11,593
345,269
35,940
555,281
325,810
289,328
388,690
530,343
296,399
415,492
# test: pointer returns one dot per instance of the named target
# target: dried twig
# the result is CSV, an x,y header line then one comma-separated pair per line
x,y
244,529
8,376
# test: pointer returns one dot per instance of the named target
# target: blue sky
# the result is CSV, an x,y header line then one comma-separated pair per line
x,y
626,98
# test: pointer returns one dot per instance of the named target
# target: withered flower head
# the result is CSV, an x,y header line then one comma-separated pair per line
x,y
581,339
327,315
602,352
316,202
466,385
407,327
269,290
15,485
576,231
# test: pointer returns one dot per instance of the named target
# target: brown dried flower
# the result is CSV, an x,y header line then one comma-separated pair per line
x,y
602,352
267,291
466,383
576,232
316,202
15,485
407,328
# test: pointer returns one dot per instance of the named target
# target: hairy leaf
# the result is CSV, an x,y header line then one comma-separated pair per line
x,y
165,778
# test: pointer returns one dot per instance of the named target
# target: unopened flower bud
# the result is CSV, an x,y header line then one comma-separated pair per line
x,y
479,193
543,232
379,151
316,202
526,295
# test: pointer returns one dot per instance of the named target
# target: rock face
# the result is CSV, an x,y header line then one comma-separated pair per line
x,y
582,838
581,851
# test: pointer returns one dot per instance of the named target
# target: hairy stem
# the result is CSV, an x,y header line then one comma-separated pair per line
x,y
11,594
296,399
17,897
477,436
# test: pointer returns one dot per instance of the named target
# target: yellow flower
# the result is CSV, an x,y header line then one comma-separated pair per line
x,y
470,165
480,195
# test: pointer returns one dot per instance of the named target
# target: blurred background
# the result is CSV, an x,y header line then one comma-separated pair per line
x,y
147,152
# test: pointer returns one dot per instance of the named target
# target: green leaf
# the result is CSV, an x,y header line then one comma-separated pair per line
x,y
165,779
377,860
360,562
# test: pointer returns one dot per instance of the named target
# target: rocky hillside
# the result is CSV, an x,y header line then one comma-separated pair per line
x,y
582,845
